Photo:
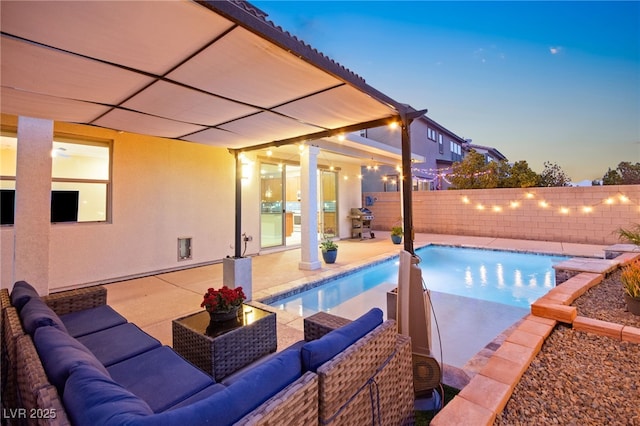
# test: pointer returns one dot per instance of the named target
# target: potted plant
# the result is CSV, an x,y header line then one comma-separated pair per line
x,y
223,304
630,278
329,250
396,234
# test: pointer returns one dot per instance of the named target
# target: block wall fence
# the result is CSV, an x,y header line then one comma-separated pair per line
x,y
588,215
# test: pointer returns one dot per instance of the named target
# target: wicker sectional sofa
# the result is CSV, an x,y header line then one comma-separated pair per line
x,y
71,359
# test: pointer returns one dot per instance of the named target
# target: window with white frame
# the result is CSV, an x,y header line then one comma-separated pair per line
x,y
80,178
440,144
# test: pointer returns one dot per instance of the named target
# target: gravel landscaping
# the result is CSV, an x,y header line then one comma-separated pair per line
x,y
581,378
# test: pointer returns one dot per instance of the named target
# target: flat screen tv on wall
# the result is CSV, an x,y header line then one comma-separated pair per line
x,y
7,206
64,206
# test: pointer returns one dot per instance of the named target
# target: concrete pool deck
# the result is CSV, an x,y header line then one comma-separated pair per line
x,y
152,302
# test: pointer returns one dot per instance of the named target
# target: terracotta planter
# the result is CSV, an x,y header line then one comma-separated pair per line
x,y
633,304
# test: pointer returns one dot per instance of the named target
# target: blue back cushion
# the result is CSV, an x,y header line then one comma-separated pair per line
x,y
92,398
317,352
22,292
35,313
59,353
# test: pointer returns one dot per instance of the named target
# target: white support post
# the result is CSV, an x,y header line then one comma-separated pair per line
x,y
309,206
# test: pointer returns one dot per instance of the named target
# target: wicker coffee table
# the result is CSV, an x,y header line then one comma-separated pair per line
x,y
220,349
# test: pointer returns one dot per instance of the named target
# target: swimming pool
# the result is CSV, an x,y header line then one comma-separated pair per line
x,y
510,278
493,291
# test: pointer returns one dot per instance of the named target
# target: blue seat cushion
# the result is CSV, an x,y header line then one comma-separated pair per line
x,y
91,320
21,293
35,313
160,376
236,400
92,398
59,353
118,343
317,352
203,394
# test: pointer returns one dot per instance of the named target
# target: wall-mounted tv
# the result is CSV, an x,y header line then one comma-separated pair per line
x,y
64,206
7,206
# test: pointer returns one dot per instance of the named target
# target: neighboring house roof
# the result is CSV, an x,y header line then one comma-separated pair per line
x,y
493,152
214,72
435,124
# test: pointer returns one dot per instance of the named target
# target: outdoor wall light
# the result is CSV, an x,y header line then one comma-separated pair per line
x,y
543,204
465,199
564,210
529,195
514,204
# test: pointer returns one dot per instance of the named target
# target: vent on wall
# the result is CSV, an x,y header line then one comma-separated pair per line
x,y
184,248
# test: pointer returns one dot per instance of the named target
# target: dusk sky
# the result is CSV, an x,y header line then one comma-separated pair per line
x,y
539,81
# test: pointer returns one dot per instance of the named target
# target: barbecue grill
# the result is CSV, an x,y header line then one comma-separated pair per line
x,y
361,222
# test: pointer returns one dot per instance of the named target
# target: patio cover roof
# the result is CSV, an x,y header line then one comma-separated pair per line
x,y
213,72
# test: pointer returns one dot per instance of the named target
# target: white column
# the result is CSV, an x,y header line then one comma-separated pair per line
x,y
309,207
32,224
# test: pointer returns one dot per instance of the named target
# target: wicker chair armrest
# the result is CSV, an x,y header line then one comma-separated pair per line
x,y
295,404
37,395
11,330
344,376
80,299
321,323
5,300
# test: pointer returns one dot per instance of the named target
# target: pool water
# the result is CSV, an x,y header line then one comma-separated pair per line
x,y
475,295
510,278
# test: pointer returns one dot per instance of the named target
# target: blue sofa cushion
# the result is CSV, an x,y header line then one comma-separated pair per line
x,y
22,292
317,352
59,353
237,400
92,398
35,313
203,394
91,320
160,376
118,343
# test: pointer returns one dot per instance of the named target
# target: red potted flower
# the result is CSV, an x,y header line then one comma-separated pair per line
x,y
223,304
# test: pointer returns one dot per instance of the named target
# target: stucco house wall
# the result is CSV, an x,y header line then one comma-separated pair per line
x,y
161,189
490,212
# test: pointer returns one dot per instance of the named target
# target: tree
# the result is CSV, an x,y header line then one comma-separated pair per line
x,y
553,175
473,172
630,173
612,177
520,175
625,174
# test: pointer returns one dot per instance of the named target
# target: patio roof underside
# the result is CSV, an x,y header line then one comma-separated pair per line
x,y
210,73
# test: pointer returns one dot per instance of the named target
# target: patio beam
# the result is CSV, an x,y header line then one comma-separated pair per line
x,y
407,118
324,134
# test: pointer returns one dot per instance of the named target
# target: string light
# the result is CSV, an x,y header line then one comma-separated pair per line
x,y
609,201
